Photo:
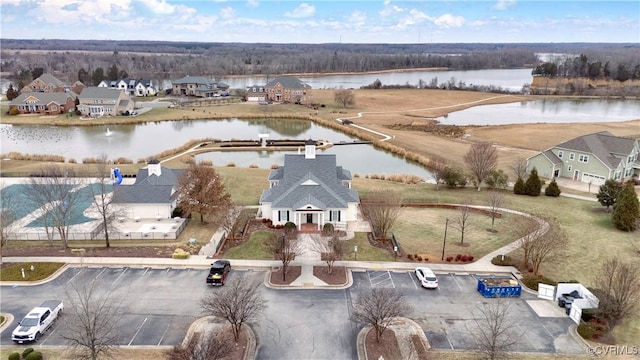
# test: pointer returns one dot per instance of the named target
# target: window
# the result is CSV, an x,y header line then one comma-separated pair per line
x,y
334,215
569,168
283,215
628,172
560,154
617,175
572,156
583,158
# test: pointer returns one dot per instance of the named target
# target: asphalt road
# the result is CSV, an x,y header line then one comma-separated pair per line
x,y
158,305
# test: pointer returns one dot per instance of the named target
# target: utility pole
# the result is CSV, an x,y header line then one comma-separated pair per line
x,y
444,242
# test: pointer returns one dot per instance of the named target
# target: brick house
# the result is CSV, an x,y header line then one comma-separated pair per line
x,y
288,89
45,103
99,101
45,83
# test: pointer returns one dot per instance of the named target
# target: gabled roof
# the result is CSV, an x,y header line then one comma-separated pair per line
x,y
50,79
552,157
94,92
200,80
42,97
316,182
288,82
149,189
602,145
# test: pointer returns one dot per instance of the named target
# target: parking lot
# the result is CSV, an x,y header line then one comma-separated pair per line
x,y
159,305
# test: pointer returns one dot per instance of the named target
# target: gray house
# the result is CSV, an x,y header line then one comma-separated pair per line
x,y
591,158
197,86
100,101
310,189
153,195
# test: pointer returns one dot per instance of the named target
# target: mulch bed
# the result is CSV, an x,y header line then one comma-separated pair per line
x,y
293,272
387,349
338,275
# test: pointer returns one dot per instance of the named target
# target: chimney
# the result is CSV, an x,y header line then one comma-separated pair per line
x,y
310,149
154,168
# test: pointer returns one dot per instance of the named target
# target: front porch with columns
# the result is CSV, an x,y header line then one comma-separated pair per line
x,y
309,216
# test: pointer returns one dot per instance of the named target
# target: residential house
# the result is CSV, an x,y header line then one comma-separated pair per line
x,y
99,101
153,195
256,93
288,89
134,87
45,103
45,83
197,86
310,189
591,158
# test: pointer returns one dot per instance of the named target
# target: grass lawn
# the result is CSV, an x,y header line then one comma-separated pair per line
x,y
421,231
366,252
252,248
41,270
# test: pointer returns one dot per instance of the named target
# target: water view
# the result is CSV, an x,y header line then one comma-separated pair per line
x,y
546,111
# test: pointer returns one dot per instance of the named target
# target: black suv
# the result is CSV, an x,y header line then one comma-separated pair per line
x,y
218,272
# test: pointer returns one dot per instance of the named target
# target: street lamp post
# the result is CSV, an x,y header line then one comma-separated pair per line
x,y
444,242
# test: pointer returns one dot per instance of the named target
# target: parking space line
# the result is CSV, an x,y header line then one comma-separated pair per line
x,y
547,330
390,278
163,334
100,273
145,271
411,277
74,276
119,277
447,337
455,281
137,331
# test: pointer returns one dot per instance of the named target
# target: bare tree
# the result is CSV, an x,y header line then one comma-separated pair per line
x,y
56,192
330,249
239,302
377,307
495,200
201,190
102,196
383,210
210,345
526,230
233,220
519,168
7,217
285,249
494,330
92,320
481,159
551,244
438,167
463,221
345,98
620,284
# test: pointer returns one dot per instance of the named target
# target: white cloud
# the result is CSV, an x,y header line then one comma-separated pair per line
x,y
390,10
449,21
386,2
159,6
504,4
72,11
253,3
302,11
227,13
11,2
357,18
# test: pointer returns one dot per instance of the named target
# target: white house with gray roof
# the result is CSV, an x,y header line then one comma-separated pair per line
x,y
310,189
101,101
153,194
591,158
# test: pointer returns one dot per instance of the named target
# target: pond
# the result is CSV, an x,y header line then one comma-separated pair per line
x,y
546,111
142,140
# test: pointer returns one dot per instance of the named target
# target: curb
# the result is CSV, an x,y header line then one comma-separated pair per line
x,y
250,351
346,285
8,320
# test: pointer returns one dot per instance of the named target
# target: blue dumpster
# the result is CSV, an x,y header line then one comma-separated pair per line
x,y
499,286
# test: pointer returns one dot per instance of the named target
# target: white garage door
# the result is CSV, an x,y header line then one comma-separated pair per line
x,y
255,98
593,179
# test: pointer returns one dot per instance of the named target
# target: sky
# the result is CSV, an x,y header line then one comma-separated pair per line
x,y
362,21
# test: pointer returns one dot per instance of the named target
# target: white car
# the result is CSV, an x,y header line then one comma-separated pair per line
x,y
427,278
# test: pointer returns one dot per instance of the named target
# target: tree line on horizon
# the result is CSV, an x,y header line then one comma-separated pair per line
x,y
93,61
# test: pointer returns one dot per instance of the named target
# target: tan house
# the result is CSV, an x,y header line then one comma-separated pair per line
x,y
45,83
99,101
46,103
197,86
288,89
